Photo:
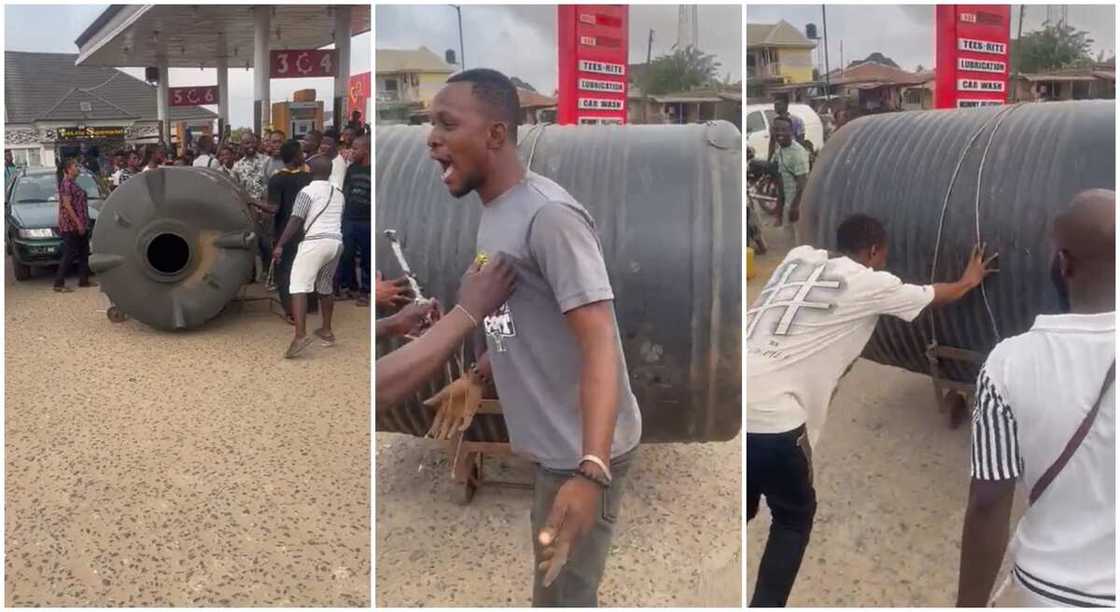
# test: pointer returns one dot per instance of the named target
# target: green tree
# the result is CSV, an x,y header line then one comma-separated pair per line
x,y
683,70
1054,46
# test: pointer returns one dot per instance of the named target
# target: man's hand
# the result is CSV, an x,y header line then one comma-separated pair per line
x,y
277,253
486,286
394,293
414,318
458,403
572,517
794,214
974,273
978,268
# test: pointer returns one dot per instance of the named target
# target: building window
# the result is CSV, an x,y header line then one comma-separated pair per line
x,y
391,85
27,158
913,96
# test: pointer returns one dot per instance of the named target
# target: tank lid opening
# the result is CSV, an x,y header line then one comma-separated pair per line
x,y
168,253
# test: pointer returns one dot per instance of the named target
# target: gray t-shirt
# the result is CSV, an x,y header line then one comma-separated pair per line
x,y
536,358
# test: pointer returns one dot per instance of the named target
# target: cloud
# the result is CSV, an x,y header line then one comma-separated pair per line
x,y
520,40
53,29
905,33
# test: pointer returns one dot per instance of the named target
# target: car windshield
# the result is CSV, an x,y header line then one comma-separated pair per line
x,y
40,188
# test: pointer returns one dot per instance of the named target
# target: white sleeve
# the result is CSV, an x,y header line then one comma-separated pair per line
x,y
898,299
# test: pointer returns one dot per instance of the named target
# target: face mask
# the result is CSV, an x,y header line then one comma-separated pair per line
x,y
1060,286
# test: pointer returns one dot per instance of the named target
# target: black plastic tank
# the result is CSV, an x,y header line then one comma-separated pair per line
x,y
173,246
667,204
998,175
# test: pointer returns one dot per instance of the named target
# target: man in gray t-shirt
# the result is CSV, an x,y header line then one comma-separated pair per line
x,y
553,349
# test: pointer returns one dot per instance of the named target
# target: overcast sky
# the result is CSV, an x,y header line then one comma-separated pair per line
x,y
53,29
905,33
520,40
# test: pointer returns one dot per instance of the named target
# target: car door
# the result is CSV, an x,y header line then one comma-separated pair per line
x,y
758,133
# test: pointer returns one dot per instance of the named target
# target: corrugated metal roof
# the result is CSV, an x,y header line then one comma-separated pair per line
x,y
780,34
410,60
48,86
872,72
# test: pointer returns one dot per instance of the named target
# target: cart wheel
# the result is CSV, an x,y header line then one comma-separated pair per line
x,y
464,492
116,315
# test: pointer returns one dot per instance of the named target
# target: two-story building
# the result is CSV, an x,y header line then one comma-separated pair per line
x,y
407,80
777,54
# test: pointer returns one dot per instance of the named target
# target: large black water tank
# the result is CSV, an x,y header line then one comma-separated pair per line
x,y
667,203
899,168
173,245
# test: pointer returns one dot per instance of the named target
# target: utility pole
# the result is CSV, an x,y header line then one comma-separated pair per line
x,y
827,86
462,56
1018,55
646,79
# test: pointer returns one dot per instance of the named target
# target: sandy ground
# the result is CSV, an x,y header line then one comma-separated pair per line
x,y
892,483
147,468
677,543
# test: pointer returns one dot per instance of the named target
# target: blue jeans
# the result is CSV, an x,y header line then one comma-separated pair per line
x,y
355,243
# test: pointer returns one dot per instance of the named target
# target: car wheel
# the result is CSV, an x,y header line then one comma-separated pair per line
x,y
22,272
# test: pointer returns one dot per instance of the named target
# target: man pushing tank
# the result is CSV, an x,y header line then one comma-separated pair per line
x,y
805,330
317,211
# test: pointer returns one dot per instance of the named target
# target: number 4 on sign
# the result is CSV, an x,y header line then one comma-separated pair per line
x,y
325,64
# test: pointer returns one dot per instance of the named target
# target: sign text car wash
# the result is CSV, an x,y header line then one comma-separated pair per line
x,y
593,63
973,57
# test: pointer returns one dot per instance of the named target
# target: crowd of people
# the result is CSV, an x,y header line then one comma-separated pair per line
x,y
308,196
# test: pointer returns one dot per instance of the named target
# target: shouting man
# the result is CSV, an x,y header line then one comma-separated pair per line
x,y
1046,414
805,330
553,349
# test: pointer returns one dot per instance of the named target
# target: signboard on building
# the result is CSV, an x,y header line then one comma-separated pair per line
x,y
89,133
973,42
359,94
302,63
594,59
193,96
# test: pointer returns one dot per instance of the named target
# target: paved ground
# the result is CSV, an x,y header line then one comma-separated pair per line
x,y
892,482
678,541
192,469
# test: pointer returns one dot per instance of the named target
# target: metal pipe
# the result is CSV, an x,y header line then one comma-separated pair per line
x,y
262,65
223,88
342,71
163,107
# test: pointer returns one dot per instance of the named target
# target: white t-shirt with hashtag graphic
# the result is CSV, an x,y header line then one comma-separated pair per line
x,y
807,327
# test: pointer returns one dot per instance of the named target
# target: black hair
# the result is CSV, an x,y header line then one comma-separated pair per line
x,y
497,92
331,133
859,232
780,119
290,150
61,171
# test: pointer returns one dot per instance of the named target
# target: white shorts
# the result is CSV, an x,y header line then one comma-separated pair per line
x,y
313,267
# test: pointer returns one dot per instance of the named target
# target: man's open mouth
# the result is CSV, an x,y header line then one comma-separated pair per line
x,y
448,169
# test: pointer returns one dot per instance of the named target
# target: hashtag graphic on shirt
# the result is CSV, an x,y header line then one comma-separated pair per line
x,y
771,298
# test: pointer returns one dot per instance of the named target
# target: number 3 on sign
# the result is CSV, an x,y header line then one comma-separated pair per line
x,y
283,69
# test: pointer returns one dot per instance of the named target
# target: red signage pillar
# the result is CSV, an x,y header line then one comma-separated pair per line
x,y
973,55
594,64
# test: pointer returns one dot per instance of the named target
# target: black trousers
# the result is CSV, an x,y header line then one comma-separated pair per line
x,y
780,467
74,246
